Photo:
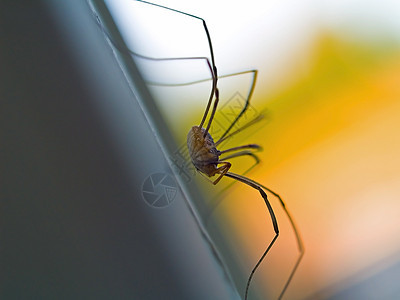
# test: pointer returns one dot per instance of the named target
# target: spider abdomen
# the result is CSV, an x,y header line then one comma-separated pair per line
x,y
202,150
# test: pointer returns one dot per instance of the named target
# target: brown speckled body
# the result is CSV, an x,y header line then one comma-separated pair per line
x,y
202,150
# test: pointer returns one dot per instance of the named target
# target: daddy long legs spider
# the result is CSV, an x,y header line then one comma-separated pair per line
x,y
207,159
213,162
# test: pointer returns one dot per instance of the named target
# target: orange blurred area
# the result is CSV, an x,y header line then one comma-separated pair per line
x,y
331,148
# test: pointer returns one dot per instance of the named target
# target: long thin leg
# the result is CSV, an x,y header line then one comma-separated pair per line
x,y
214,85
214,76
300,245
242,153
213,111
255,72
273,219
249,146
214,68
192,16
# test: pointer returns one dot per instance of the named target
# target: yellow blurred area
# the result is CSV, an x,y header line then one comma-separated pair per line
x,y
331,150
346,83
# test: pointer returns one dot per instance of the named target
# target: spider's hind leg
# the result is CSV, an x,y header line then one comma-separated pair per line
x,y
299,240
256,186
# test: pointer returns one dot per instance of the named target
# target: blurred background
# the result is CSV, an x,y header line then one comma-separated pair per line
x,y
78,150
329,86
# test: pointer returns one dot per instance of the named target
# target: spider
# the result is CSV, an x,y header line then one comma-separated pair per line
x,y
210,161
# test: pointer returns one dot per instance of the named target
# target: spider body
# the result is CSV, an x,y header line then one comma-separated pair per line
x,y
202,150
204,153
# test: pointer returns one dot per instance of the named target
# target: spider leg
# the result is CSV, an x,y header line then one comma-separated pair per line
x,y
213,69
211,65
242,153
300,244
213,111
253,83
261,189
221,170
248,146
273,218
192,16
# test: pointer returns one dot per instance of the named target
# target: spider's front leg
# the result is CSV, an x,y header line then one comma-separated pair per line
x,y
222,170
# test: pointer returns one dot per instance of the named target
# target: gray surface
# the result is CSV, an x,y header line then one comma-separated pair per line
x,y
375,285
